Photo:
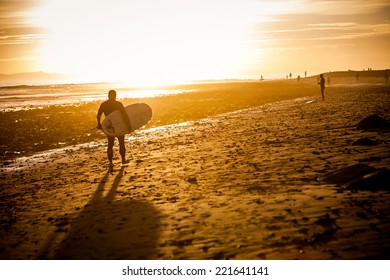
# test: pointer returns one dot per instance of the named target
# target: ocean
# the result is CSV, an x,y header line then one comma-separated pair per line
x,y
25,97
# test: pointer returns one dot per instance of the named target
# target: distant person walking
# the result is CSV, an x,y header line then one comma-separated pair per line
x,y
322,85
107,107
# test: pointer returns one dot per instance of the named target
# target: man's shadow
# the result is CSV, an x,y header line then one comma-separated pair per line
x,y
111,229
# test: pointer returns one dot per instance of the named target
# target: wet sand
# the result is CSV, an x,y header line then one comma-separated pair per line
x,y
26,132
239,185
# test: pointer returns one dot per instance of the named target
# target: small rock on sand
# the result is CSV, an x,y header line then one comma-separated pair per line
x,y
373,122
376,181
347,174
364,142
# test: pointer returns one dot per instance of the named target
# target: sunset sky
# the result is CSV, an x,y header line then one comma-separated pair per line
x,y
152,41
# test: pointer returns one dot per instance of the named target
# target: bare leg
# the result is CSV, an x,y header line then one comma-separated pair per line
x,y
122,148
110,151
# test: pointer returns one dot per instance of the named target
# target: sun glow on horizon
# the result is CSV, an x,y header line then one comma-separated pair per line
x,y
146,42
153,42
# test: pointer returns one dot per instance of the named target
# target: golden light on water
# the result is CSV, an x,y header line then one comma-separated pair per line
x,y
144,93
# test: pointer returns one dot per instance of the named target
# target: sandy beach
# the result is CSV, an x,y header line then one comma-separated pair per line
x,y
235,185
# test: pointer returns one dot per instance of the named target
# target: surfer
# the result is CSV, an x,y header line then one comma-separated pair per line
x,y
108,107
322,85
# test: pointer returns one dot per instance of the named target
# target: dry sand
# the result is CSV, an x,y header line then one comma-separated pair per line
x,y
240,185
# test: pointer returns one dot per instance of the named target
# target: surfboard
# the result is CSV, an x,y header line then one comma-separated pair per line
x,y
139,115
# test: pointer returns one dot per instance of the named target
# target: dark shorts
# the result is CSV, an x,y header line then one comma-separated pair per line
x,y
111,140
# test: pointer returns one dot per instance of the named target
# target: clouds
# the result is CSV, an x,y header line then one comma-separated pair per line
x,y
325,35
19,39
343,7
327,7
343,16
15,16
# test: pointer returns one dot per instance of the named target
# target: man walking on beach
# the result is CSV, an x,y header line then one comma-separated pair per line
x,y
322,85
108,107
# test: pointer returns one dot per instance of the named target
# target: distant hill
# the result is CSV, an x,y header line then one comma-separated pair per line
x,y
353,73
351,77
32,77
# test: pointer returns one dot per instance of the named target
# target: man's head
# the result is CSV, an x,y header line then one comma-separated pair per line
x,y
112,94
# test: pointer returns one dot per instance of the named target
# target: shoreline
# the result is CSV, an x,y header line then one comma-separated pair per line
x,y
239,185
25,133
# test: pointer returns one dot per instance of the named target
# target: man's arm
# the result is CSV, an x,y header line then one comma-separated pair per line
x,y
99,115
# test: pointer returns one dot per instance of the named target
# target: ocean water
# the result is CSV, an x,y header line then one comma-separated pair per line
x,y
25,97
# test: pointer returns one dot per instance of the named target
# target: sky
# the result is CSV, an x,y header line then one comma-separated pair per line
x,y
154,41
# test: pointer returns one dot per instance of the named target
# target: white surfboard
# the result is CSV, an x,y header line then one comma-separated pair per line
x,y
139,115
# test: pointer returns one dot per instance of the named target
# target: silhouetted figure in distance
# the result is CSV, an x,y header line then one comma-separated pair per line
x,y
322,85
